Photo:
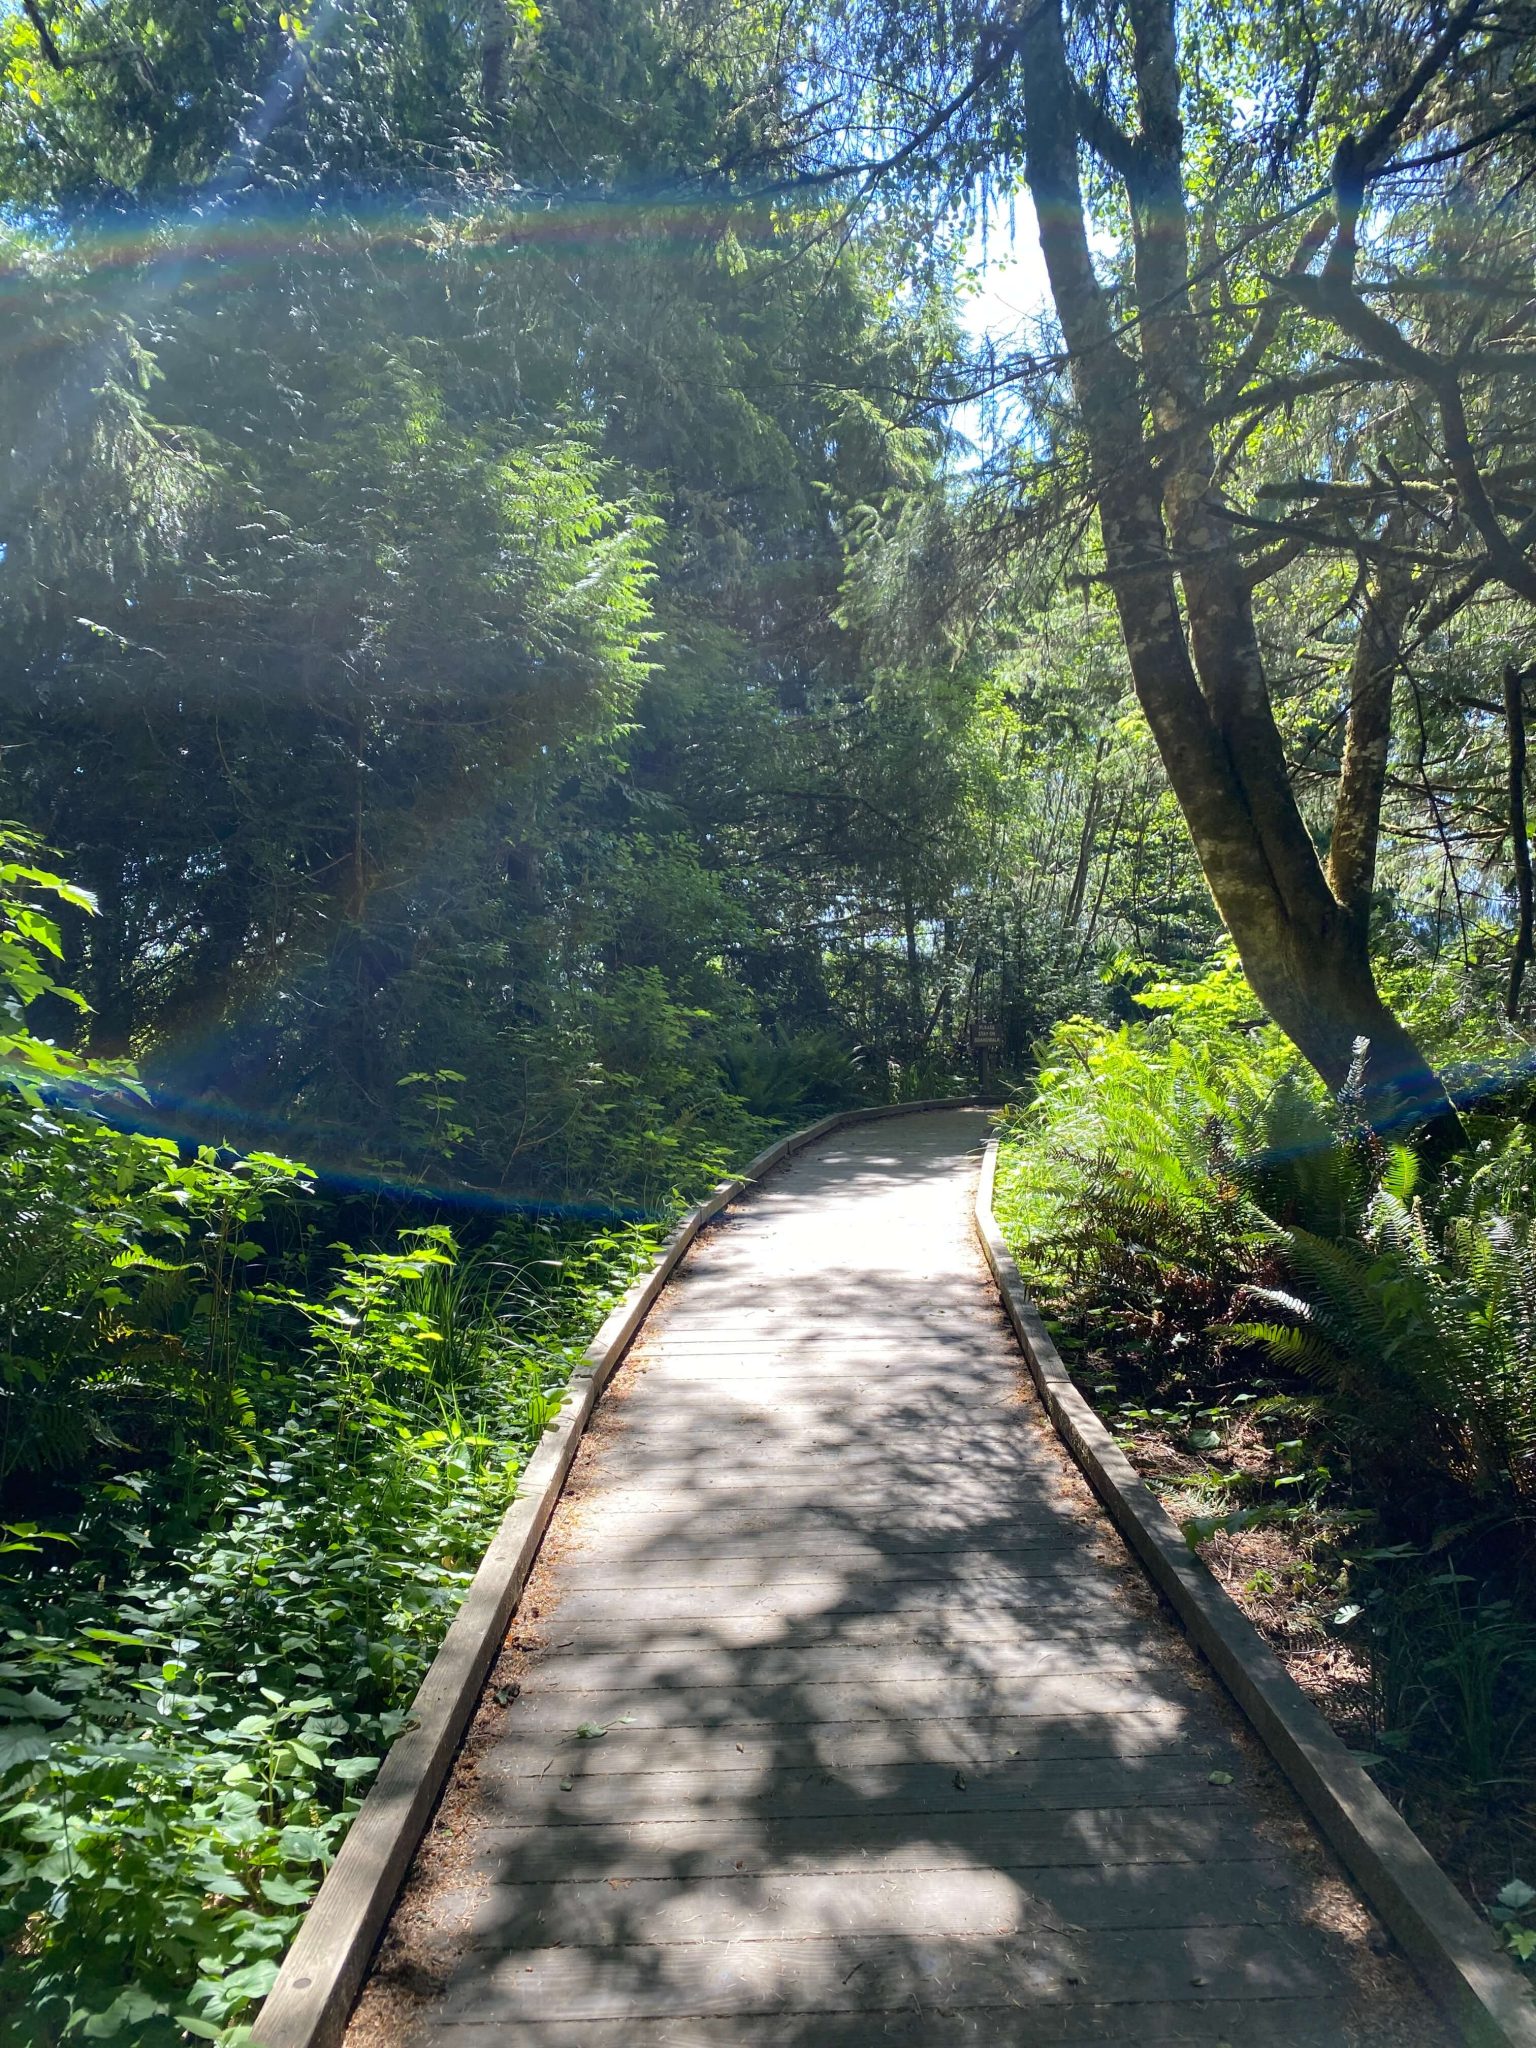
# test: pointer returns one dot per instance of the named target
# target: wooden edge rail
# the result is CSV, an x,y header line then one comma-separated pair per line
x,y
1454,1952
312,1998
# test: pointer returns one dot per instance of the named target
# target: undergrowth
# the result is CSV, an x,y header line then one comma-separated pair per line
x,y
246,1474
1324,1359
204,1669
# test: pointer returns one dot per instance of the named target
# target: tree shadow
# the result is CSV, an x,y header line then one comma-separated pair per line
x,y
848,1720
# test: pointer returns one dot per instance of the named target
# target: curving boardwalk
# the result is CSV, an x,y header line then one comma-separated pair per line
x,y
899,1748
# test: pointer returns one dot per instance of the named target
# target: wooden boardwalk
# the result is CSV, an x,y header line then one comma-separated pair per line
x,y
899,1747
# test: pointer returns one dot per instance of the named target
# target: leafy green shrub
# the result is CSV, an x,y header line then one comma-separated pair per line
x,y
267,1475
181,1748
125,1285
633,1097
1513,1911
127,1265
928,1077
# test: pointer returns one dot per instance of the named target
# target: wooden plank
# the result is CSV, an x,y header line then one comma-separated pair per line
x,y
857,1974
799,1438
1078,1586
596,1570
694,1662
761,1330
1281,2023
853,1419
866,1473
657,1530
1087,1619
576,1798
856,1508
821,1703
959,1743
1455,1951
815,1368
924,1602
861,1843
592,1913
838,1477
889,1380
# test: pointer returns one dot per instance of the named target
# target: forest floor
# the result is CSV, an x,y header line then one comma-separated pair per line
x,y
1295,1580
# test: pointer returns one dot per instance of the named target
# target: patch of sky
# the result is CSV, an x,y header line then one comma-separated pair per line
x,y
1002,298
1005,314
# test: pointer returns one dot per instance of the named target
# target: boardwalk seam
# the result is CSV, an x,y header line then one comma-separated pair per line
x,y
1454,1952
312,1997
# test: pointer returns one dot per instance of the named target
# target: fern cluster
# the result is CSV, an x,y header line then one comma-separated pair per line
x,y
1175,1181
1424,1337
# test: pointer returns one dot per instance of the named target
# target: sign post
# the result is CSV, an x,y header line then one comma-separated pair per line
x,y
986,1040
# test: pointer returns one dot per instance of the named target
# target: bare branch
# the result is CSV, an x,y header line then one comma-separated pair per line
x,y
44,34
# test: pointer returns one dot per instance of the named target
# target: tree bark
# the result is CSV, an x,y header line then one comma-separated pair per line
x,y
1519,835
1079,888
914,968
1368,731
1198,672
496,35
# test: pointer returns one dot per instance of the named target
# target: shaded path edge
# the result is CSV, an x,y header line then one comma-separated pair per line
x,y
323,1971
1454,1952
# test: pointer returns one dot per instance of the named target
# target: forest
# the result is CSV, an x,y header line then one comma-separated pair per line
x,y
582,584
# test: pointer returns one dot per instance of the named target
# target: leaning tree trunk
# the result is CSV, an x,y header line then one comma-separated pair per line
x,y
1198,670
1519,839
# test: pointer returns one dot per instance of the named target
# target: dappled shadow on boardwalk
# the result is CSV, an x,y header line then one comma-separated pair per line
x,y
881,1739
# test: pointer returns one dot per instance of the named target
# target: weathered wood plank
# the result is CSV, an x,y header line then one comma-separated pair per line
x,y
703,1567
592,1913
692,1661
808,1704
857,1844
920,1788
1279,2023
844,1396
960,1744
858,1974
660,1530
998,1604
1087,1619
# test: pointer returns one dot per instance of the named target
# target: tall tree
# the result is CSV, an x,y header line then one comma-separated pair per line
x,y
1201,193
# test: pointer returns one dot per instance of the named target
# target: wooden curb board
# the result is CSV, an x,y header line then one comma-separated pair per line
x,y
318,1983
1455,1953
